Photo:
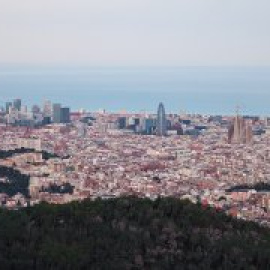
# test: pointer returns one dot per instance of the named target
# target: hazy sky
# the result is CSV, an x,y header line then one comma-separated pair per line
x,y
135,32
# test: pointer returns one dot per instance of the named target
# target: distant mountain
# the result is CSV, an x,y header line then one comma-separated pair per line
x,y
130,233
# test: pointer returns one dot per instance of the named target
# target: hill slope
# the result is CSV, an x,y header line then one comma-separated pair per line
x,y
129,233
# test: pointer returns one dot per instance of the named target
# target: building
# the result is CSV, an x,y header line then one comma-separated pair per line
x,y
47,108
149,125
30,143
161,129
34,187
60,115
35,109
57,113
122,122
82,130
17,104
65,115
46,120
240,132
8,106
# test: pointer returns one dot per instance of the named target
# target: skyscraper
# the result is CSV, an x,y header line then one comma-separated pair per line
x,y
60,115
65,115
161,121
35,109
8,106
57,113
47,108
17,104
149,125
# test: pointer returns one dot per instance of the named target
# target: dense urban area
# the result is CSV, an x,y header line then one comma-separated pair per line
x,y
48,153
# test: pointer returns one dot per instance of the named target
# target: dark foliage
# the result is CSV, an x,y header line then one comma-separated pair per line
x,y
16,181
261,186
47,155
129,233
62,189
6,154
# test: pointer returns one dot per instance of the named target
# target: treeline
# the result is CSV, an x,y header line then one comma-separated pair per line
x,y
130,233
15,181
261,186
58,189
9,153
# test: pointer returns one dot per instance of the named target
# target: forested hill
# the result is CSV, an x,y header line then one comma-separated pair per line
x,y
129,233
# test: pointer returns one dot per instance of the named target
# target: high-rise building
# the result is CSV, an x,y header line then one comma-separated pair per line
x,y
24,109
57,113
60,115
8,106
47,108
65,115
161,129
35,109
148,125
17,104
240,132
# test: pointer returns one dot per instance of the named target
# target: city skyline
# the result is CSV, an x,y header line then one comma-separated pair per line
x,y
104,155
195,90
46,106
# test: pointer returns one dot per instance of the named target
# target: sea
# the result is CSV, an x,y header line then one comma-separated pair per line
x,y
202,90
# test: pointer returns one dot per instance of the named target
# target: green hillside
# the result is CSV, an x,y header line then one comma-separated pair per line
x,y
129,233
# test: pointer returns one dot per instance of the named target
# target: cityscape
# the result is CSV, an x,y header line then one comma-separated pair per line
x,y
218,161
134,135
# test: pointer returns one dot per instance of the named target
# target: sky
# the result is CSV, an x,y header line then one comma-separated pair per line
x,y
135,32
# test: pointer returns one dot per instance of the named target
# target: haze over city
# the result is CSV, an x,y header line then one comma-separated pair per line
x,y
196,55
135,33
